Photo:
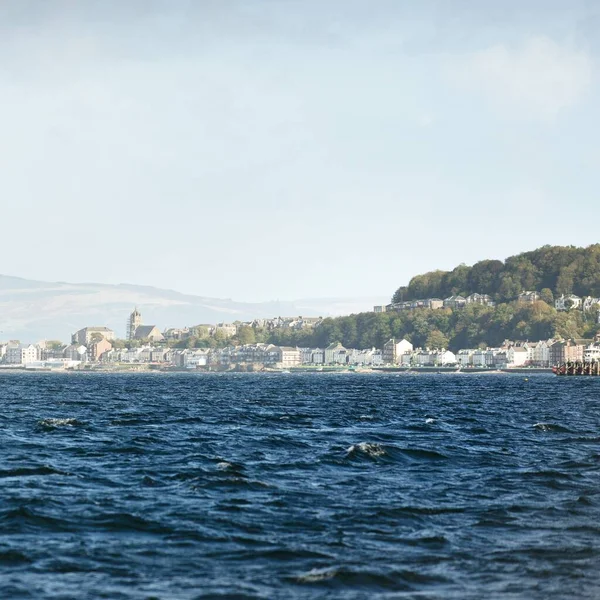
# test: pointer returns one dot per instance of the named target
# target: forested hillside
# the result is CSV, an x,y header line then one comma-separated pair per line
x,y
551,270
470,327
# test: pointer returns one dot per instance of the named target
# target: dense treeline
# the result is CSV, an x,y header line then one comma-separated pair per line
x,y
552,270
470,327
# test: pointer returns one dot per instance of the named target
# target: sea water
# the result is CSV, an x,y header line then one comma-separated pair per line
x,y
299,486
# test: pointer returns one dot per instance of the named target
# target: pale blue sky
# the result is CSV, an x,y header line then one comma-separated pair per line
x,y
279,149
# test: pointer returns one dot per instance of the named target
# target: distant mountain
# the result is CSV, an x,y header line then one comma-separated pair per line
x,y
34,310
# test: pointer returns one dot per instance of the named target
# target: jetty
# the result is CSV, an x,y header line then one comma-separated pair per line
x,y
578,368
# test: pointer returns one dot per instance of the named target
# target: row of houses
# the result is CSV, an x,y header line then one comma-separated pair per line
x,y
544,353
231,329
564,302
453,302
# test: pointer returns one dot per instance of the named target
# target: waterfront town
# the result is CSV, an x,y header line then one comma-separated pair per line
x,y
146,347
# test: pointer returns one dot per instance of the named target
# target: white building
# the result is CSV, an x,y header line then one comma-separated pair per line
x,y
568,302
288,356
445,357
393,350
196,358
21,354
540,356
590,303
516,356
335,354
592,353
465,357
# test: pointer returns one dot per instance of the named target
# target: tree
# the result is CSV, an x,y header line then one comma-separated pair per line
x,y
547,296
54,345
436,339
245,335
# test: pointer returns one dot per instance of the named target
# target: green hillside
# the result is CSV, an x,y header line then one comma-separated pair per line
x,y
551,270
554,270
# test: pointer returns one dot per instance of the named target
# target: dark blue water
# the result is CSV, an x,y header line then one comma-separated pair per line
x,y
299,486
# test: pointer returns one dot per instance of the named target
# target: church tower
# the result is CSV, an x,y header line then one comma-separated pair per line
x,y
135,320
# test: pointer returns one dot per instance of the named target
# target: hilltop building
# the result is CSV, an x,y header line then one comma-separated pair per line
x,y
88,334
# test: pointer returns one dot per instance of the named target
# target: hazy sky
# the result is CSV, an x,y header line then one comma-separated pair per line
x,y
279,149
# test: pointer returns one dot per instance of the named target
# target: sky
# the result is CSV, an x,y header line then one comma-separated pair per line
x,y
283,149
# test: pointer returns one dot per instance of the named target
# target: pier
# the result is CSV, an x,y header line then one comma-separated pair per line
x,y
578,368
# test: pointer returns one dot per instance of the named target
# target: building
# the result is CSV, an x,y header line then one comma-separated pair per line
x,y
21,354
148,332
568,302
134,321
393,350
335,353
88,334
482,299
289,357
465,357
529,297
517,356
227,329
379,309
592,352
97,349
76,352
566,350
433,303
455,302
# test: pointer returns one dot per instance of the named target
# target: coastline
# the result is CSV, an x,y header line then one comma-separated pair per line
x,y
398,371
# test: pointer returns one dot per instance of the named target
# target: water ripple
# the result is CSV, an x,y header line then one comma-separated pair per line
x,y
306,486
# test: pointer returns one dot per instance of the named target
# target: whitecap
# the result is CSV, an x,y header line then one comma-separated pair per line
x,y
59,422
368,448
315,575
429,421
549,427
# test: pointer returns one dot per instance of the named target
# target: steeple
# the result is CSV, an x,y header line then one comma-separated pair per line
x,y
135,320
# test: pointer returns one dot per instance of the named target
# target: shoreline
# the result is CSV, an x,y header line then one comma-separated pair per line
x,y
398,371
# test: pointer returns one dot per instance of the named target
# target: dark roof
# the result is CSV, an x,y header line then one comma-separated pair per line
x,y
143,331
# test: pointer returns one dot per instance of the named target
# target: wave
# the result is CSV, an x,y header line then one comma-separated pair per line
x,y
30,472
343,576
372,450
551,427
129,522
13,557
229,467
24,519
53,423
375,451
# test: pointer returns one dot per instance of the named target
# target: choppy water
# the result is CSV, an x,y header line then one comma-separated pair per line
x,y
299,486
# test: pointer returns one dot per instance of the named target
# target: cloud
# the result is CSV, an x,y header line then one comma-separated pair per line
x,y
537,80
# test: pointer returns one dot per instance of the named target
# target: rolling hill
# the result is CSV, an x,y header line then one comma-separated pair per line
x,y
32,310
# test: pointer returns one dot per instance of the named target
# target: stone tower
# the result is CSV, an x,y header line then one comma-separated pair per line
x,y
135,320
